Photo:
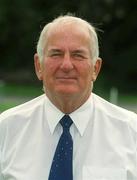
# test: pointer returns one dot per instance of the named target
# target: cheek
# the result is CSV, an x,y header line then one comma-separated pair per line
x,y
86,71
49,67
49,72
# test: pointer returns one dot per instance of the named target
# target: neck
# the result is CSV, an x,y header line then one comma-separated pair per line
x,y
68,104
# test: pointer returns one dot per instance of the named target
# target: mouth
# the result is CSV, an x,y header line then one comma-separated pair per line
x,y
67,79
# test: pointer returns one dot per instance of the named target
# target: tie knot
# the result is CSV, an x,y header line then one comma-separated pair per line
x,y
66,122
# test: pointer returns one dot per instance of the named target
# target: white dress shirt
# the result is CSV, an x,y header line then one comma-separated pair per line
x,y
104,141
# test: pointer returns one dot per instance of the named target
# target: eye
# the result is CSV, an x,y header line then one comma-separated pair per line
x,y
78,56
54,53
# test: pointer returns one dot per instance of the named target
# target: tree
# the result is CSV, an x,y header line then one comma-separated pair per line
x,y
21,21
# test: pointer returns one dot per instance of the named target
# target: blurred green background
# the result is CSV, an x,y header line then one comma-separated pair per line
x,y
21,22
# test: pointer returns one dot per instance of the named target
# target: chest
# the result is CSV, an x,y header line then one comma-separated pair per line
x,y
99,153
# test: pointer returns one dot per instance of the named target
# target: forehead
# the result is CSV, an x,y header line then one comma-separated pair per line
x,y
68,33
69,26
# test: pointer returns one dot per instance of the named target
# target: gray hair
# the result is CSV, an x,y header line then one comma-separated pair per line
x,y
69,19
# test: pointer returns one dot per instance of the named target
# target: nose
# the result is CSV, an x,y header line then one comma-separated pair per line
x,y
66,64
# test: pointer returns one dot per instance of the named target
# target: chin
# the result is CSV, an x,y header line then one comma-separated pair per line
x,y
67,91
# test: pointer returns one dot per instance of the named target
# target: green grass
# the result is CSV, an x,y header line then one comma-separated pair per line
x,y
20,90
128,98
6,106
25,92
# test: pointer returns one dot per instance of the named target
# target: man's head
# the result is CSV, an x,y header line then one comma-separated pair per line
x,y
68,19
67,59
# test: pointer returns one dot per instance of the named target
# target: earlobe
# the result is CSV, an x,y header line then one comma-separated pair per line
x,y
38,69
94,77
97,68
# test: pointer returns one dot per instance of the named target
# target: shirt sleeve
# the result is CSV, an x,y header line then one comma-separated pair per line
x,y
136,141
1,176
134,126
2,135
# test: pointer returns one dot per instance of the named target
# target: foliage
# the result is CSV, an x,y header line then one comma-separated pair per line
x,y
21,21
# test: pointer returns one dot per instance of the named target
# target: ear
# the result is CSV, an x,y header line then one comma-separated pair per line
x,y
38,68
97,67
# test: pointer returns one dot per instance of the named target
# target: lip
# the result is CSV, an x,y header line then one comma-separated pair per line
x,y
66,78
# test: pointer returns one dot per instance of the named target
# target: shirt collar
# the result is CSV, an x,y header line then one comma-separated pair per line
x,y
80,117
83,115
53,115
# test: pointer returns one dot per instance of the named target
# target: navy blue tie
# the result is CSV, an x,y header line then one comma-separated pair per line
x,y
61,168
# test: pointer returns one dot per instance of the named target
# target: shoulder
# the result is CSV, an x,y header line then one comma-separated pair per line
x,y
113,112
23,110
15,121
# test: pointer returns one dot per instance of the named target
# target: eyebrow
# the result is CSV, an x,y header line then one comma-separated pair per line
x,y
54,50
77,51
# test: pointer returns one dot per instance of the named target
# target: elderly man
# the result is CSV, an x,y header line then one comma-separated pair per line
x,y
69,133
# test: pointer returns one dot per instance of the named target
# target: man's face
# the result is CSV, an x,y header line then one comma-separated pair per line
x,y
67,68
